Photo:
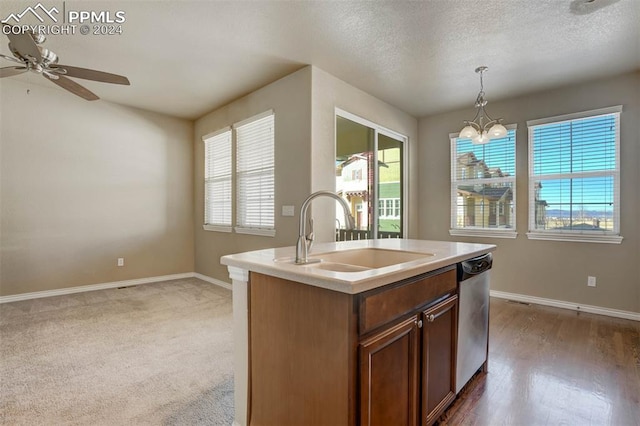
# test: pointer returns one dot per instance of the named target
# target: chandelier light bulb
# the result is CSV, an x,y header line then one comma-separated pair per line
x,y
468,132
498,131
481,139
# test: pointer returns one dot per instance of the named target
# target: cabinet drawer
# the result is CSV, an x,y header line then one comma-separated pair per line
x,y
387,304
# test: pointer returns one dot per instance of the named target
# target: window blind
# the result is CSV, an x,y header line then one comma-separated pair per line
x,y
217,170
483,184
255,173
574,175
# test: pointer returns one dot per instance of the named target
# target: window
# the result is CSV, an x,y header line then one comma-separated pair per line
x,y
389,208
574,177
253,181
370,176
483,190
255,175
217,181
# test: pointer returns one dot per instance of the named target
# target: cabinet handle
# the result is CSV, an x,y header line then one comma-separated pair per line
x,y
419,323
431,318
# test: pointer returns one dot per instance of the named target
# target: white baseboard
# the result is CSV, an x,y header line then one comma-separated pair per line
x,y
635,316
494,293
114,284
212,280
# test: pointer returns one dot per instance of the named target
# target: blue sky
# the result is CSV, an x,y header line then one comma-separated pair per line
x,y
579,146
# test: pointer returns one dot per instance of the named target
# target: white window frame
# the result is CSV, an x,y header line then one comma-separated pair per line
x,y
611,237
211,176
236,224
478,231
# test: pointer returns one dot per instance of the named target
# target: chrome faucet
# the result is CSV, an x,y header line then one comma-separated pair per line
x,y
304,241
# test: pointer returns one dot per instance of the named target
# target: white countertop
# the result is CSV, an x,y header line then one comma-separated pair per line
x,y
438,254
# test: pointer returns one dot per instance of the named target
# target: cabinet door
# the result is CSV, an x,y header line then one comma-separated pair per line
x,y
389,376
439,334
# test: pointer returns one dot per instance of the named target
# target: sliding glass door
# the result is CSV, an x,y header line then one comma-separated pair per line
x,y
370,177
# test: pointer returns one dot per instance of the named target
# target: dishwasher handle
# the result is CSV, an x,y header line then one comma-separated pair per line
x,y
475,266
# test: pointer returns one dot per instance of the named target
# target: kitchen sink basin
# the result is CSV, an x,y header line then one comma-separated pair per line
x,y
338,267
370,258
357,260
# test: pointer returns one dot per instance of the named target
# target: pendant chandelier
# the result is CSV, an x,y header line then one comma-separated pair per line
x,y
482,128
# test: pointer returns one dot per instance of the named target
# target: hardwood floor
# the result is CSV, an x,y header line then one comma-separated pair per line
x,y
550,366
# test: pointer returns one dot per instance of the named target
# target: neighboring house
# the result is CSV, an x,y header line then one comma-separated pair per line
x,y
485,205
352,185
353,178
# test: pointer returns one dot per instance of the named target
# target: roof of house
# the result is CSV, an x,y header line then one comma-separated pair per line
x,y
492,193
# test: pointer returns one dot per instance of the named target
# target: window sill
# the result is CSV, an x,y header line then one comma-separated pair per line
x,y
256,231
489,233
217,228
576,238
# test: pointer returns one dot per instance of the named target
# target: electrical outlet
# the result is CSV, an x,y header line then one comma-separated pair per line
x,y
121,261
591,281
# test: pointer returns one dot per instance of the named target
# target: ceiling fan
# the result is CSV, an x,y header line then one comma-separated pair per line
x,y
26,51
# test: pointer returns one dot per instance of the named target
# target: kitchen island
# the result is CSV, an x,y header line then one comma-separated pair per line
x,y
366,335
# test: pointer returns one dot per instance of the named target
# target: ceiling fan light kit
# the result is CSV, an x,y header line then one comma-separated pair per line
x,y
482,128
26,50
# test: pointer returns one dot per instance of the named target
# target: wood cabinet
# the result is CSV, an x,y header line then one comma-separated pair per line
x,y
319,357
389,376
394,386
439,332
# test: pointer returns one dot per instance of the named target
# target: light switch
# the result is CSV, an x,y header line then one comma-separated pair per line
x,y
288,210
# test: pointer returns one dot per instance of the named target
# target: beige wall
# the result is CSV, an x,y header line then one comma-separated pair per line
x,y
290,98
85,183
304,103
548,269
329,93
117,180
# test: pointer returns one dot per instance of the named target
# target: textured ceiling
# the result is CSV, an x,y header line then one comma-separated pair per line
x,y
186,58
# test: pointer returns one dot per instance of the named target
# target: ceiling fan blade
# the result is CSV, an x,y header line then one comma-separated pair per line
x,y
11,58
73,87
9,71
88,74
23,43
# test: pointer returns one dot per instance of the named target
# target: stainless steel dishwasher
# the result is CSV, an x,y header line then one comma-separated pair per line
x,y
473,317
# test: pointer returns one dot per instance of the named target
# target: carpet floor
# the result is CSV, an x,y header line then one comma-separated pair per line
x,y
156,354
